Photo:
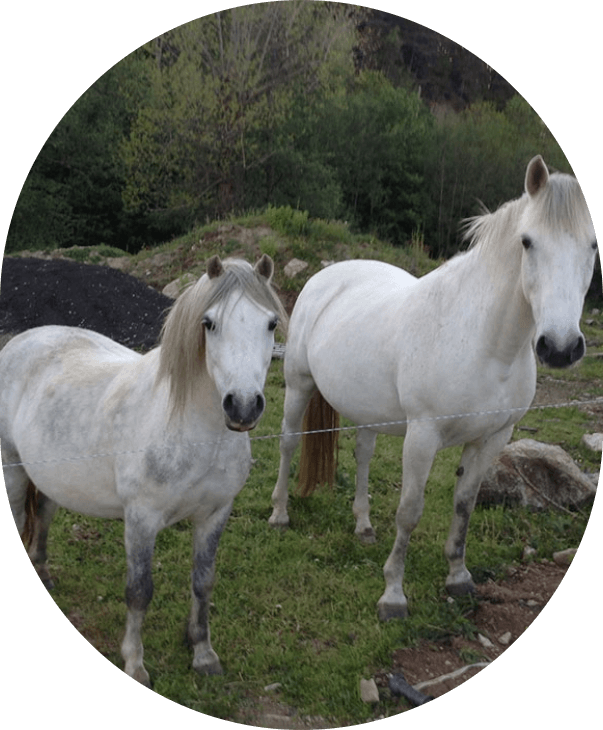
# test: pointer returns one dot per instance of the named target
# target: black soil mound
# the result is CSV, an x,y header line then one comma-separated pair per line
x,y
37,292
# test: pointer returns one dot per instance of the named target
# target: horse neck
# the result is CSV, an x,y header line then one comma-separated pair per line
x,y
505,323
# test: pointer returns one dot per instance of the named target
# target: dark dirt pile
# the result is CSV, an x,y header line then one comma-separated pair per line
x,y
37,292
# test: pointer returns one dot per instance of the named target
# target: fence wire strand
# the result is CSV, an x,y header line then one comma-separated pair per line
x,y
353,427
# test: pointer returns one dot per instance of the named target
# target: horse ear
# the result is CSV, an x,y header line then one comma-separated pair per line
x,y
214,267
265,267
537,175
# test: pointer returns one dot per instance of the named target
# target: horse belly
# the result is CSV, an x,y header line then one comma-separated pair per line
x,y
85,485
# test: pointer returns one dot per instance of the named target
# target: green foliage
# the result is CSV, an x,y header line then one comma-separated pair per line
x,y
480,156
356,154
298,105
287,221
217,103
72,196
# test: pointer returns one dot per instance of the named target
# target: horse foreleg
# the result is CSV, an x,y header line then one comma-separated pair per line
x,y
296,402
206,539
475,461
140,534
418,455
365,448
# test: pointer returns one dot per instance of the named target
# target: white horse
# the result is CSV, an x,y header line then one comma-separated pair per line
x,y
97,428
446,359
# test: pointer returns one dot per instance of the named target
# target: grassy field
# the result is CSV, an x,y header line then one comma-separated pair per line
x,y
298,607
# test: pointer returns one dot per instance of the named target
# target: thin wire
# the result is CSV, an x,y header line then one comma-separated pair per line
x,y
354,427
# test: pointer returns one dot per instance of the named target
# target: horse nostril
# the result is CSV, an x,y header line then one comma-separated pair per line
x,y
543,348
228,403
578,351
260,404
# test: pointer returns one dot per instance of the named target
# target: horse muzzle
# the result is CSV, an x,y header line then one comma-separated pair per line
x,y
550,354
242,414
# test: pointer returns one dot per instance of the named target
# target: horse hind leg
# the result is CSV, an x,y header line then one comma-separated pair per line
x,y
365,448
296,402
45,509
32,512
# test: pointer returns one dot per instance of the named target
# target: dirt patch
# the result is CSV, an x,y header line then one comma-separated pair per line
x,y
38,292
504,610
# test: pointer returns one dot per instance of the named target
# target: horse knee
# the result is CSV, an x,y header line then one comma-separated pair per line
x,y
139,593
139,589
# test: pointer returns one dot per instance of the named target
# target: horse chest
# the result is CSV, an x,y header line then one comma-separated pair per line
x,y
183,479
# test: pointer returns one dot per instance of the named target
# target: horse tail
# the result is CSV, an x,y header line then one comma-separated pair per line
x,y
318,461
31,511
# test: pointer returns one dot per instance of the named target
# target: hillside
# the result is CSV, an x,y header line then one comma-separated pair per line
x,y
282,233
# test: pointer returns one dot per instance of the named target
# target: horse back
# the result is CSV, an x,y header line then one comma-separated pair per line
x,y
39,364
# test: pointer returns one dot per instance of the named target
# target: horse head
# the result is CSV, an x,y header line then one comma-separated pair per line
x,y
559,249
223,327
239,337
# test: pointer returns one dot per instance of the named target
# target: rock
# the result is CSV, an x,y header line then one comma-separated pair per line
x,y
295,267
368,690
535,475
485,641
175,288
529,552
118,262
564,557
505,638
399,686
593,441
272,687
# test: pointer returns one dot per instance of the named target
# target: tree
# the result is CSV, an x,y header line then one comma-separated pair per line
x,y
72,195
374,137
479,157
228,86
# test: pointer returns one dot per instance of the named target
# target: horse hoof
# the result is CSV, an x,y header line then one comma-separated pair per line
x,y
367,537
460,589
278,522
213,668
142,676
206,662
389,611
44,576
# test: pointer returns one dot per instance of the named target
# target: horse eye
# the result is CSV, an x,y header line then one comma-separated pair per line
x,y
595,246
273,325
526,242
209,324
